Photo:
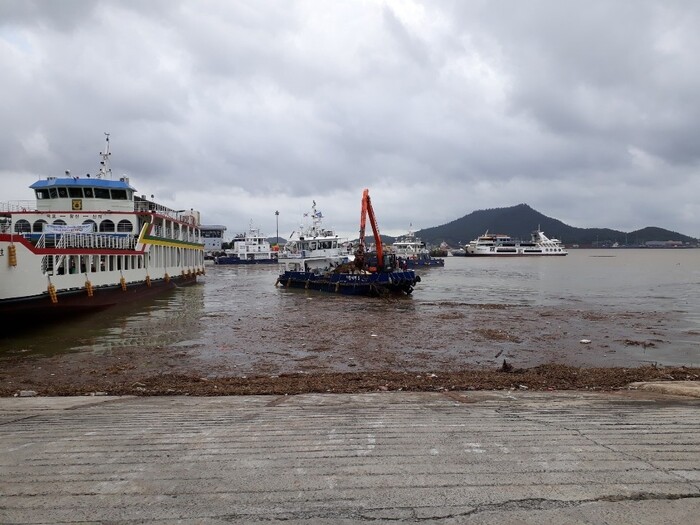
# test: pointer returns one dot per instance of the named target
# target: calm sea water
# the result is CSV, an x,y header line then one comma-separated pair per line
x,y
240,310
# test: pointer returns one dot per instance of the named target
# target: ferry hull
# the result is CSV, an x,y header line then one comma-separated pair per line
x,y
70,303
371,285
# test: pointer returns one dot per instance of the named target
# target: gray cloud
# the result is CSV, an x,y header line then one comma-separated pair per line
x,y
586,112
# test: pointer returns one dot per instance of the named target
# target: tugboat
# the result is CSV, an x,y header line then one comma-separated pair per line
x,y
319,260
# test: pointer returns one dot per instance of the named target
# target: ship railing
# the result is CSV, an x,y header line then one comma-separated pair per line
x,y
22,205
92,241
160,209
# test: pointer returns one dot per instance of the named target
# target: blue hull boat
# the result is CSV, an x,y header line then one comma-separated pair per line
x,y
316,258
232,259
369,284
420,262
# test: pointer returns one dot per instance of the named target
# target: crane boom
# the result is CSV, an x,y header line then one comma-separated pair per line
x,y
367,210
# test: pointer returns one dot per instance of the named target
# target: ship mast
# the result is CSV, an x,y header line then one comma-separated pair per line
x,y
105,169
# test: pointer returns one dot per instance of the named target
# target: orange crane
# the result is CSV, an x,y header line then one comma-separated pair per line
x,y
361,249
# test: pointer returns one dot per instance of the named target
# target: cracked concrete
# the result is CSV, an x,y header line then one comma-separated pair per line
x,y
481,457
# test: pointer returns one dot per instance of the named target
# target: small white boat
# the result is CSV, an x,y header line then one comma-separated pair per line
x,y
251,247
491,245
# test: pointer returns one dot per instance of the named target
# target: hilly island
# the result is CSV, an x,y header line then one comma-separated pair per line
x,y
519,221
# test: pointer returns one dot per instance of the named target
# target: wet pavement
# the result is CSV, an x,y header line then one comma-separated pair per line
x,y
482,457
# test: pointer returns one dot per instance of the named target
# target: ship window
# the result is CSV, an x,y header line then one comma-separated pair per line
x,y
53,193
22,226
101,193
119,195
106,226
38,226
59,222
125,226
75,193
63,192
88,193
42,194
91,222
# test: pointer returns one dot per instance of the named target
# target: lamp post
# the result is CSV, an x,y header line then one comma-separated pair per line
x,y
277,224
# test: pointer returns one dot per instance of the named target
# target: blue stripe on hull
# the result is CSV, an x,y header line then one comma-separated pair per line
x,y
234,260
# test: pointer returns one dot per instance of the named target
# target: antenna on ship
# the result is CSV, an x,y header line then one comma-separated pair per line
x,y
104,163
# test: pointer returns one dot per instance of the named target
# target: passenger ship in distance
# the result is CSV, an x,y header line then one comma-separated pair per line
x,y
491,245
89,243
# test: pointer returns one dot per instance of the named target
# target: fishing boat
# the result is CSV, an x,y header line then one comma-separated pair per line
x,y
251,247
87,243
493,245
318,259
411,252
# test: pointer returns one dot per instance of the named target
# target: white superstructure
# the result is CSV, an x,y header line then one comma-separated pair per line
x,y
313,247
251,247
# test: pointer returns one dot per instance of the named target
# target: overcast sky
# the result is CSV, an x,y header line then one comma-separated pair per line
x,y
588,111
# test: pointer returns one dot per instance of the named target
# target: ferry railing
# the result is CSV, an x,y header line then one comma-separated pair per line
x,y
95,241
22,205
158,208
78,240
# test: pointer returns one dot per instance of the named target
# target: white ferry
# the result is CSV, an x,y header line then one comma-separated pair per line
x,y
412,252
314,248
503,245
91,242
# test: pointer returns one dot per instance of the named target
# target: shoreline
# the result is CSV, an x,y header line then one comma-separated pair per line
x,y
549,377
